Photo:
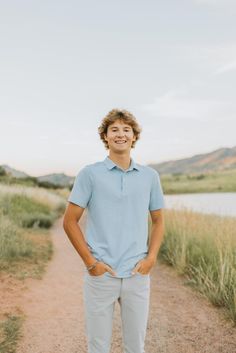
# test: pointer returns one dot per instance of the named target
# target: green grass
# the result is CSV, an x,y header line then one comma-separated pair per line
x,y
25,216
23,253
29,181
224,181
26,212
10,332
13,244
203,249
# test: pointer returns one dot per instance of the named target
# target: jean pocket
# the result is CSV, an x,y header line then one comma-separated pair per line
x,y
142,274
96,276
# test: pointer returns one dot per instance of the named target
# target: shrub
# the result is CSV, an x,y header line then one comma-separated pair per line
x,y
13,244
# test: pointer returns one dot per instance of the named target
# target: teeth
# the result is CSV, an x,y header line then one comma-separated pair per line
x,y
120,141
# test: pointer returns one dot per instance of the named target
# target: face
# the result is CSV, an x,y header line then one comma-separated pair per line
x,y
119,136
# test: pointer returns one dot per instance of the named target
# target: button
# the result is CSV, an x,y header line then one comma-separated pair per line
x,y
122,182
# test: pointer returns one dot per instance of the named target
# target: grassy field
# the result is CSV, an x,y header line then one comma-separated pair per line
x,y
203,249
26,214
10,332
178,183
204,182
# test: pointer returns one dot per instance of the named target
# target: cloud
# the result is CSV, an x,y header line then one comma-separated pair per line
x,y
44,137
178,104
214,2
231,66
77,142
205,1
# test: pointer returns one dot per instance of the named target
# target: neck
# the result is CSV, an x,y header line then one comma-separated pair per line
x,y
122,160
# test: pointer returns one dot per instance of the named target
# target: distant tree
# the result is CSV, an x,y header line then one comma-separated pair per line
x,y
2,171
200,176
177,174
48,185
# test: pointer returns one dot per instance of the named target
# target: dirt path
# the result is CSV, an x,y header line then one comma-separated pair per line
x,y
180,320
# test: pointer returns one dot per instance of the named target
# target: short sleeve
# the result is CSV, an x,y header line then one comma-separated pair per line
x,y
156,195
82,189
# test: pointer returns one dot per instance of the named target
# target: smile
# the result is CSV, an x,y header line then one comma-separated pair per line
x,y
120,142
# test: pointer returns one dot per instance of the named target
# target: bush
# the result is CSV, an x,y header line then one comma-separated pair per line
x,y
37,220
26,212
2,171
10,332
202,247
13,244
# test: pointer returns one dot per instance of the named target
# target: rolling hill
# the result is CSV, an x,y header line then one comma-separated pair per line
x,y
218,160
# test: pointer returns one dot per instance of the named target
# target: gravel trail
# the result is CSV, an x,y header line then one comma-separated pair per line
x,y
180,319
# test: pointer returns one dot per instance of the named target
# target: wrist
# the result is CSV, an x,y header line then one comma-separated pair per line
x,y
90,261
151,257
90,267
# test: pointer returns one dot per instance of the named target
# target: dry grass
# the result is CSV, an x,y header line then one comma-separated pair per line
x,y
203,248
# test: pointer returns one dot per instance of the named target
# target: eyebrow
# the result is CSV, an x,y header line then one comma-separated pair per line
x,y
125,127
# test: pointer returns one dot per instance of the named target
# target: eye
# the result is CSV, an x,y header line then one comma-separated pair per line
x,y
126,130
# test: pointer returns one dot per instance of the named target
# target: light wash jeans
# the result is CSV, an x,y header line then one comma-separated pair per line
x,y
100,294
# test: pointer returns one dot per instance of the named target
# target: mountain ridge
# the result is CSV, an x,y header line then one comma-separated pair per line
x,y
218,160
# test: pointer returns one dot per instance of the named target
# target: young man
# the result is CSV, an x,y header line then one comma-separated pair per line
x,y
118,194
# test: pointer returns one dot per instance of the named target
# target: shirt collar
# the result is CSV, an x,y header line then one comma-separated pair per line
x,y
110,164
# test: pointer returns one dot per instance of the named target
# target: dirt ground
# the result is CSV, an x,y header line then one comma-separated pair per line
x,y
180,319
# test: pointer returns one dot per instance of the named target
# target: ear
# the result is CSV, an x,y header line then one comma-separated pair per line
x,y
105,136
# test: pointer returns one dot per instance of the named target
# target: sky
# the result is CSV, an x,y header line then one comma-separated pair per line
x,y
65,64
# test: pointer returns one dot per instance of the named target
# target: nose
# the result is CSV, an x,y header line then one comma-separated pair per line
x,y
120,133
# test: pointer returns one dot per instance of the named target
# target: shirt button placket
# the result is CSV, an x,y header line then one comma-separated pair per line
x,y
123,183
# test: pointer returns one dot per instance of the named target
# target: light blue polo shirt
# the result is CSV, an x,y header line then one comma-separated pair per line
x,y
118,202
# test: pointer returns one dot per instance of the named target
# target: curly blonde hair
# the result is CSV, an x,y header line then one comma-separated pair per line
x,y
119,114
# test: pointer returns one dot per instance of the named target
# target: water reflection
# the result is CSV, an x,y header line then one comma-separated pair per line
x,y
222,203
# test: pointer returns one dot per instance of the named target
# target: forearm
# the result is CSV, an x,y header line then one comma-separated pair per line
x,y
156,237
76,237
